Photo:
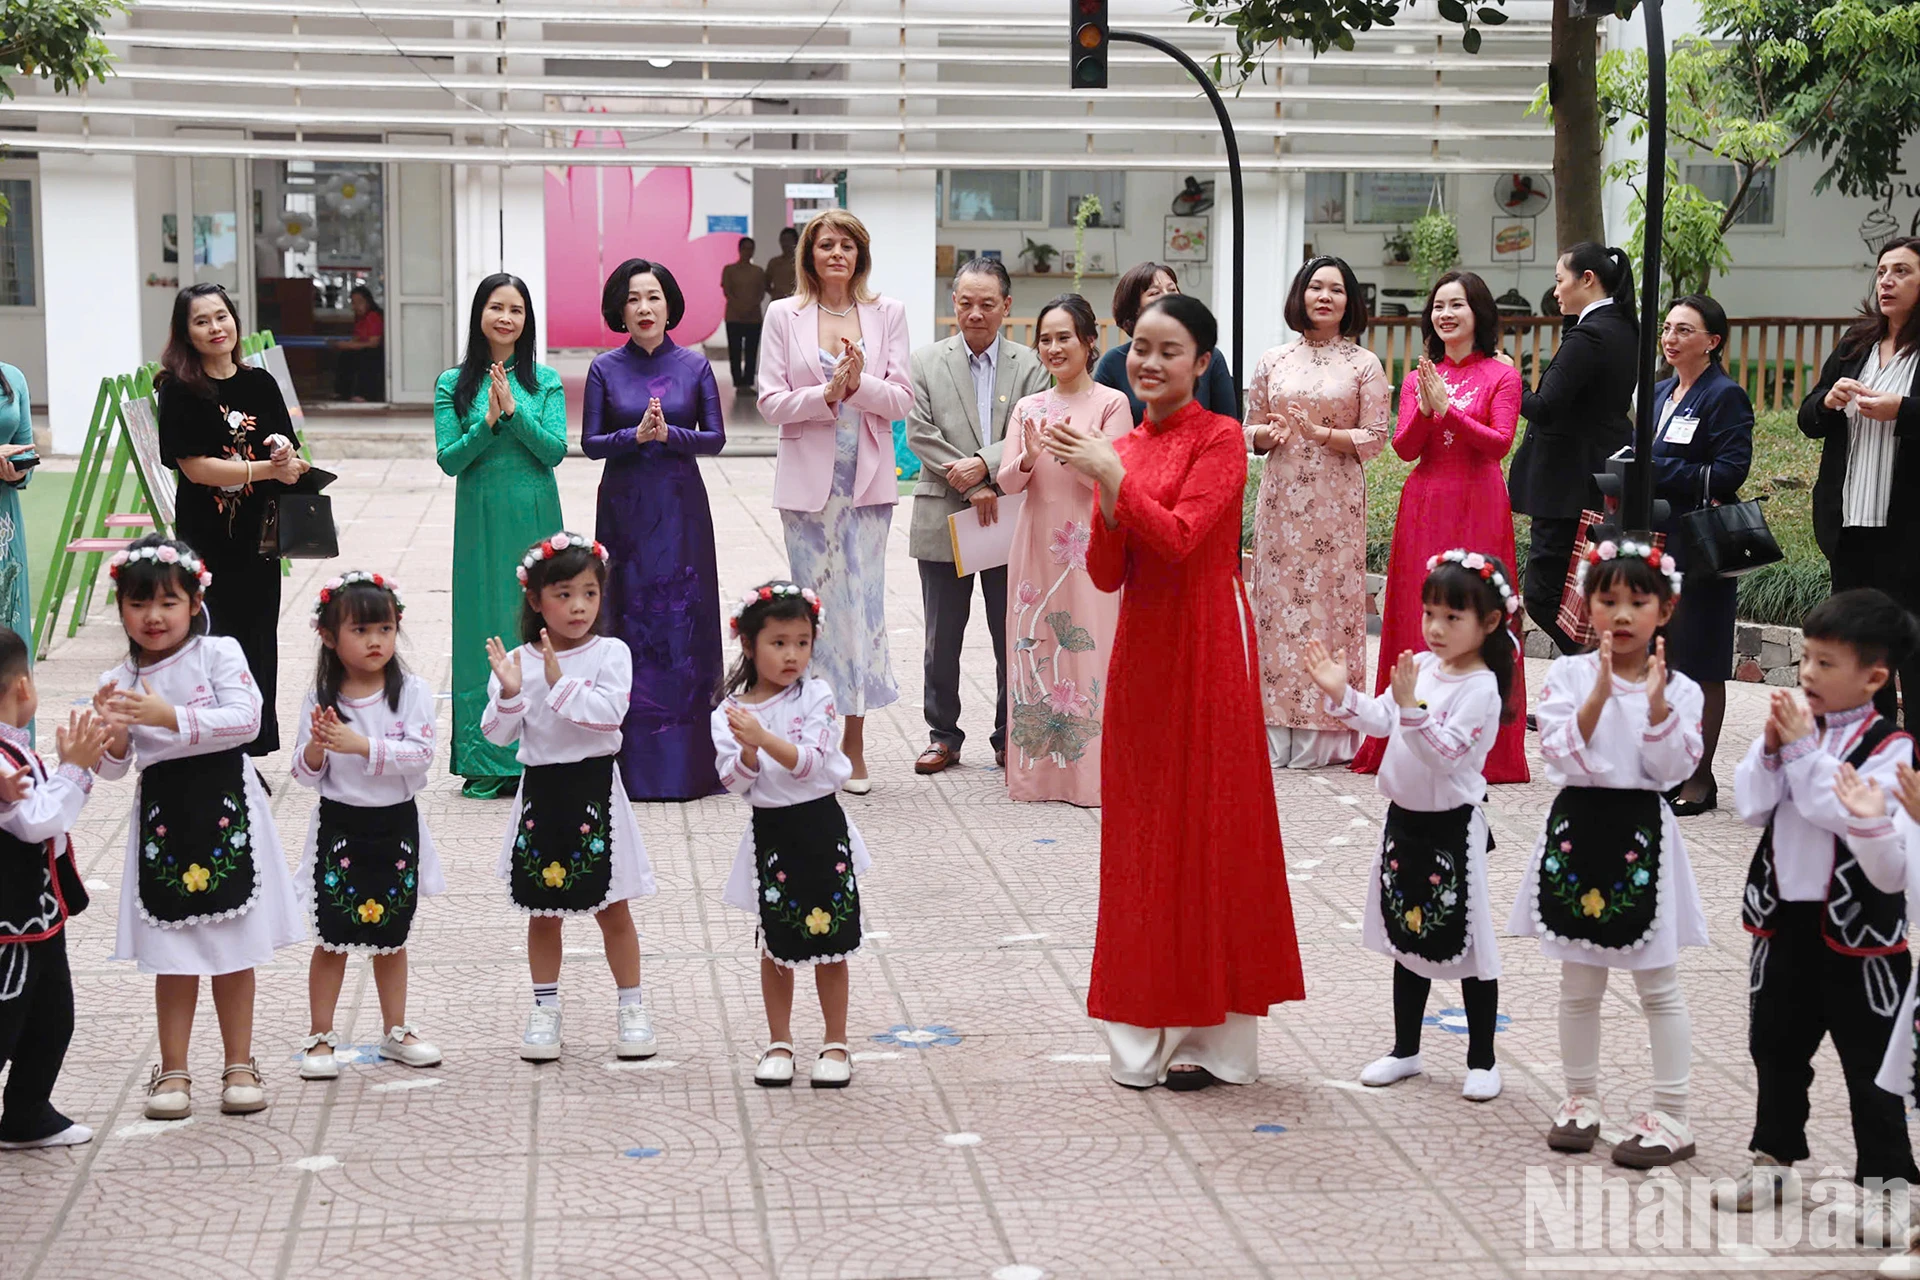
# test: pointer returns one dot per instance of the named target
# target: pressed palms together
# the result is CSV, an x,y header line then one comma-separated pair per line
x,y
506,668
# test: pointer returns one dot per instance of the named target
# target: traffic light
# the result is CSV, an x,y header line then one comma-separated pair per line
x,y
1087,53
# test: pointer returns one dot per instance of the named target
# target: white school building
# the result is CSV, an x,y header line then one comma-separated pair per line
x,y
294,149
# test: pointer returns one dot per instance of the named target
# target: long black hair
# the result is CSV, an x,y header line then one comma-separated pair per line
x,y
559,566
181,361
373,303
367,599
1454,586
1869,328
138,581
1612,268
773,601
479,358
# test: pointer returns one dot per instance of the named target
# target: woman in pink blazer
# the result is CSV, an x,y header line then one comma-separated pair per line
x,y
834,378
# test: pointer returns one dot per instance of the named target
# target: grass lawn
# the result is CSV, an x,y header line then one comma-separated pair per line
x,y
1784,465
42,503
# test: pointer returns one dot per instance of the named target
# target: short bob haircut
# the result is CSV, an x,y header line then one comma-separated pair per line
x,y
1352,324
806,278
613,295
1712,315
1128,290
1486,316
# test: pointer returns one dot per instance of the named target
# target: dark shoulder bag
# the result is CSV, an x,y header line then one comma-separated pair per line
x,y
297,522
1725,540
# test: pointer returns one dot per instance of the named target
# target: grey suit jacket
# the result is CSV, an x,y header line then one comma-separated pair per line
x,y
944,427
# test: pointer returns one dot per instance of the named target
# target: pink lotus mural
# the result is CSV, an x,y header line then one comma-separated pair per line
x,y
599,217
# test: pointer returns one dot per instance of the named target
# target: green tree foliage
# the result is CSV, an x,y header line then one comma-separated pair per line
x,y
56,40
1772,78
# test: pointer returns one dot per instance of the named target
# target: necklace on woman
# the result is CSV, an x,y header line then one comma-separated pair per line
x,y
841,315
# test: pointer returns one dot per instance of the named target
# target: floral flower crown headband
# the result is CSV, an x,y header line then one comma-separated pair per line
x,y
552,547
353,577
1474,562
1611,550
772,590
165,555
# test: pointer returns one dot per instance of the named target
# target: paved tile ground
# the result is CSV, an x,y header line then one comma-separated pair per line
x,y
1000,1149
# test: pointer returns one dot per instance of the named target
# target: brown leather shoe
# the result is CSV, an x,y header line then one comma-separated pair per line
x,y
1000,756
935,758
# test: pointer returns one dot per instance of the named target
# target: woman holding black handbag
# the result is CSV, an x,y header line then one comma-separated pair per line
x,y
224,428
1867,405
1702,447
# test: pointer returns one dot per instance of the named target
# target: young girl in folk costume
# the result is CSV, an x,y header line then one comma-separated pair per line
x,y
1427,903
1610,886
206,889
777,745
365,744
573,848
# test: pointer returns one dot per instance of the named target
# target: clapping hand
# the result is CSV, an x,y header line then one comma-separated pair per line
x,y
854,361
1858,797
1085,451
83,740
148,708
1908,789
746,727
1657,683
1031,445
1327,671
653,426
15,784
1405,677
1788,719
103,711
335,735
550,661
506,668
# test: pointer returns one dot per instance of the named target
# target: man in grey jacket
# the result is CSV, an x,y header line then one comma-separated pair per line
x,y
964,388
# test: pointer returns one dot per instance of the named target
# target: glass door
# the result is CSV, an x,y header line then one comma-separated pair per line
x,y
420,210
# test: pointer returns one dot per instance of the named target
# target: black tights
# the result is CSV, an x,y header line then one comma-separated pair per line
x,y
1480,995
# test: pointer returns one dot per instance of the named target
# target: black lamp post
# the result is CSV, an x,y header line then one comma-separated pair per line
x,y
1637,506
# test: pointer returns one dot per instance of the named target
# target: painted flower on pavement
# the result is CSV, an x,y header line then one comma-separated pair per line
x,y
930,1036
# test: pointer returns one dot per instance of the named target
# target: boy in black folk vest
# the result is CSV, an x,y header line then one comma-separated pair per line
x,y
1826,903
39,889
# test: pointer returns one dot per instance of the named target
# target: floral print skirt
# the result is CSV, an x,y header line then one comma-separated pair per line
x,y
809,899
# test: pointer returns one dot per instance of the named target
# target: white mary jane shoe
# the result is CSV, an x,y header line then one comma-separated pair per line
x,y
169,1104
857,786
320,1066
242,1099
774,1071
832,1073
418,1054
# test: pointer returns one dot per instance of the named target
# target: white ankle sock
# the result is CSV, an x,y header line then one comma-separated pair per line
x,y
546,994
630,995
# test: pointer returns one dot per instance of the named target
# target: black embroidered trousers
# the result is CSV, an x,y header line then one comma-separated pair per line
x,y
35,1028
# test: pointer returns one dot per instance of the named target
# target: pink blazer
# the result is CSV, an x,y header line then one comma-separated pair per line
x,y
793,396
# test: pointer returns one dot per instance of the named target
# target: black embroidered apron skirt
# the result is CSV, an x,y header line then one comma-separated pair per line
x,y
366,875
1598,878
562,859
196,843
1425,882
803,868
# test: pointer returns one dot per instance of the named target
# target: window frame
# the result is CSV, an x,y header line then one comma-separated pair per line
x,y
1352,210
28,171
1775,225
1040,223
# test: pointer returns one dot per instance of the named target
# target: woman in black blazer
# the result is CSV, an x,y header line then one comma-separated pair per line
x,y
1580,413
1868,402
1702,447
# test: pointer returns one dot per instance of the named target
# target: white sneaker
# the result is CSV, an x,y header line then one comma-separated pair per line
x,y
1767,1181
1576,1124
320,1066
1905,1264
71,1136
1483,1084
541,1043
1884,1218
418,1054
634,1036
1382,1072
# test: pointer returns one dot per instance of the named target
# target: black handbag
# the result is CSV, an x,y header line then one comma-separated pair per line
x,y
1728,539
298,522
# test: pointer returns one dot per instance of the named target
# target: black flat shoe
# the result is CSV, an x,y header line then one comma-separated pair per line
x,y
1694,808
1190,1080
1533,723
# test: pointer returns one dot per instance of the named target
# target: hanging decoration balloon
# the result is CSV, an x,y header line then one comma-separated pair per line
x,y
296,232
348,193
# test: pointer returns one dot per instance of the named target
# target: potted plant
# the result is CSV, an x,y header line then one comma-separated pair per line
x,y
1436,246
1084,215
1399,247
1039,256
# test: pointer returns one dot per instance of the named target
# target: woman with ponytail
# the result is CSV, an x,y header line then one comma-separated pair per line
x,y
1581,412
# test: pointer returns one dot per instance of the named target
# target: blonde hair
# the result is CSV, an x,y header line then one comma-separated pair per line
x,y
806,280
